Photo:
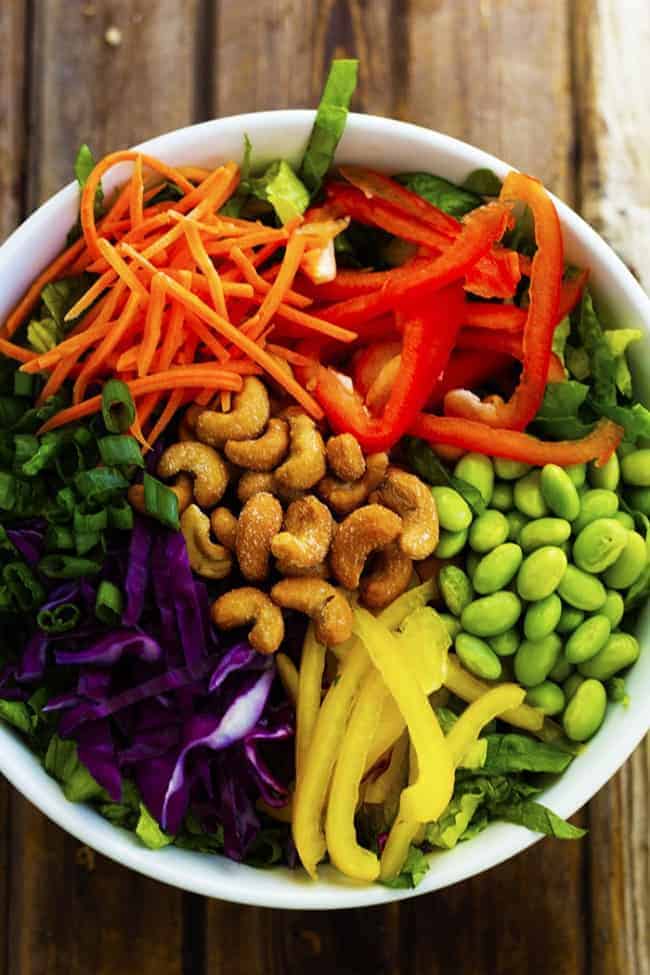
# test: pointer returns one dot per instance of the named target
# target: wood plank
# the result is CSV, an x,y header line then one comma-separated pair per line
x,y
110,75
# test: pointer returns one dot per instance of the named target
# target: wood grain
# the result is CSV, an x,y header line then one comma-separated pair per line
x,y
109,95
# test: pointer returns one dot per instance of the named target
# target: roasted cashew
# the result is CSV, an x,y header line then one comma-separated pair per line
x,y
407,495
187,426
253,482
224,527
247,418
346,496
260,520
264,453
345,457
206,558
389,576
248,605
182,488
326,605
307,535
292,570
364,531
305,465
210,472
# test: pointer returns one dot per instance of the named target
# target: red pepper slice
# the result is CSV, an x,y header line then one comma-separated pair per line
x,y
480,229
545,283
508,343
368,362
430,332
599,445
373,184
469,368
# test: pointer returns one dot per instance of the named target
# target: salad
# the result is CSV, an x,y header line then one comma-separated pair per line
x,y
324,504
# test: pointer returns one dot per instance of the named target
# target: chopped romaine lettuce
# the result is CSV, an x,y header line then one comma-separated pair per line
x,y
447,196
330,122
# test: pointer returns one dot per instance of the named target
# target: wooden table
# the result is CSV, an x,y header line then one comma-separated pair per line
x,y
554,86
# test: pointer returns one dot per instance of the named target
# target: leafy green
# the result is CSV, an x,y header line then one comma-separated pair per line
x,y
602,365
63,764
634,419
452,825
149,832
280,187
17,714
518,753
522,236
533,815
560,336
484,182
415,867
83,167
618,340
43,335
559,416
424,462
329,124
447,196
193,837
49,327
127,812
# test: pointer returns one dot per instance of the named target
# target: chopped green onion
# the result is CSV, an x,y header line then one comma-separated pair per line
x,y
120,516
59,537
30,420
89,521
82,436
120,450
24,384
11,410
68,566
60,619
65,499
160,502
25,446
7,491
23,585
84,542
101,484
108,606
118,409
6,601
69,461
48,449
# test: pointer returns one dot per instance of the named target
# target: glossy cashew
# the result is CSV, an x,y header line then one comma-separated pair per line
x,y
323,603
308,528
240,607
259,522
224,527
346,496
305,465
389,576
345,458
407,495
247,418
263,453
206,558
182,488
209,471
364,531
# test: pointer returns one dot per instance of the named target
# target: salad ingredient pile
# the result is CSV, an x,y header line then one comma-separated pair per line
x,y
324,508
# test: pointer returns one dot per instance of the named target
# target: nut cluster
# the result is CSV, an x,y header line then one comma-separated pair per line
x,y
309,512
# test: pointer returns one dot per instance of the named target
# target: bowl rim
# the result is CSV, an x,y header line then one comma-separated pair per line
x,y
237,882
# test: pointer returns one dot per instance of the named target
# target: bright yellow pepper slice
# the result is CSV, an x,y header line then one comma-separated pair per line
x,y
288,676
427,798
467,687
391,726
397,611
310,682
344,850
389,784
328,732
484,709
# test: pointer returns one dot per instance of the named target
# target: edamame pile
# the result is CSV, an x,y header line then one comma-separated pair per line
x,y
539,587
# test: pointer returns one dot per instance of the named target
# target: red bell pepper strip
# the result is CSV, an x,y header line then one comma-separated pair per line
x,y
545,283
599,445
373,184
369,361
508,343
350,284
496,275
510,318
430,332
481,228
467,369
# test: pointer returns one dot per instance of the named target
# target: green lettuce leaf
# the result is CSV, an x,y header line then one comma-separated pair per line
x,y
483,182
63,764
59,296
559,417
560,336
634,419
602,364
280,187
17,714
415,868
517,753
535,816
618,340
329,124
447,196
127,812
43,335
149,832
453,824
424,462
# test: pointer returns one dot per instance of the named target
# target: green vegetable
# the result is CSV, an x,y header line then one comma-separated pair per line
x,y
160,502
120,450
17,714
329,124
100,485
453,199
547,697
478,656
517,753
454,514
630,563
620,651
455,588
453,824
423,461
483,182
496,569
22,584
528,495
559,492
535,659
635,468
581,590
60,619
541,573
412,873
450,544
118,409
585,711
588,638
149,832
43,335
599,544
544,531
596,503
477,470
601,360
491,615
540,819
63,764
280,187
68,566
488,531
559,416
83,167
109,603
542,617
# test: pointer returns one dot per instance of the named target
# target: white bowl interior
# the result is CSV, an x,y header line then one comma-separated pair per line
x,y
394,147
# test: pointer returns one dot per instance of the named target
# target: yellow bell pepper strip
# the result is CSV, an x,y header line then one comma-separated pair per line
x,y
469,688
310,682
391,726
464,733
344,850
428,797
424,642
288,676
402,833
391,781
313,783
397,611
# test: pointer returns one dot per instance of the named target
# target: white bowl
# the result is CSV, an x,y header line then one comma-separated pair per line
x,y
394,147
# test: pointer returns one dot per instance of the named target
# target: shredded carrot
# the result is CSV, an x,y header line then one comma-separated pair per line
x,y
17,352
265,235
197,249
260,284
110,341
76,344
136,200
122,270
274,297
57,378
152,324
313,324
173,404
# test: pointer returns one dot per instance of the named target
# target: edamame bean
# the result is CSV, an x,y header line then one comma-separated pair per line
x,y
596,503
541,573
599,544
502,496
528,496
585,711
581,590
590,637
455,588
577,473
497,568
471,561
477,470
547,696
506,644
516,522
625,448
607,476
562,670
544,531
639,499
491,614
630,563
571,685
620,651
635,468
613,608
450,544
451,623
535,659
570,618
559,492
542,617
616,691
625,519
454,513
510,470
488,530
477,656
